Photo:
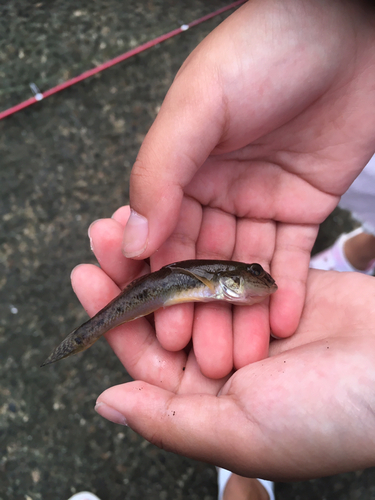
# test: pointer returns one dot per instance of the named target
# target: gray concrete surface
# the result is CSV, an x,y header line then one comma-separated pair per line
x,y
63,163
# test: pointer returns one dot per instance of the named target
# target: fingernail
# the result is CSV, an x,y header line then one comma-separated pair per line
x,y
110,414
135,235
89,233
275,336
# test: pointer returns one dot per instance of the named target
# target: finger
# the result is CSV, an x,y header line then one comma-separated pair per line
x,y
212,330
200,426
195,381
122,215
290,266
134,343
269,421
186,130
217,235
254,243
105,240
174,324
209,105
194,425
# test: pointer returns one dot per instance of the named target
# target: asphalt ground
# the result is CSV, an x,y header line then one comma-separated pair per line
x,y
65,162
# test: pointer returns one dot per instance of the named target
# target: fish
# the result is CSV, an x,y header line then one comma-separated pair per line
x,y
187,281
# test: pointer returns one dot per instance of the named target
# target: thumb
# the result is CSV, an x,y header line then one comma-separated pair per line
x,y
200,426
186,130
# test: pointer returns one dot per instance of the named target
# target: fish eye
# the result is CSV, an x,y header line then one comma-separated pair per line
x,y
256,269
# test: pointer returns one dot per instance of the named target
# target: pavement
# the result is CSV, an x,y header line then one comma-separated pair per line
x,y
65,162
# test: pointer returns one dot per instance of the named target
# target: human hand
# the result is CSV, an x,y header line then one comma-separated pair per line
x,y
265,126
106,237
306,411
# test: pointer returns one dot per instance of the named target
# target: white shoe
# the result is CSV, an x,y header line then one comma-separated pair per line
x,y
334,259
223,476
84,495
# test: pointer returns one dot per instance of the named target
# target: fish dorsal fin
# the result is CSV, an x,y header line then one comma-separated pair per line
x,y
200,274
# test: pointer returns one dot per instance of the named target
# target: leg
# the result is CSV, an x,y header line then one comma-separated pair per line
x,y
360,250
244,488
351,252
234,487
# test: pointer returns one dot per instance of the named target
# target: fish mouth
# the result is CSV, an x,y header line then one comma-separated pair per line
x,y
267,286
267,289
270,283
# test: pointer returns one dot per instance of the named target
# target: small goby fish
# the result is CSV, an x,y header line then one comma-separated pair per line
x,y
187,281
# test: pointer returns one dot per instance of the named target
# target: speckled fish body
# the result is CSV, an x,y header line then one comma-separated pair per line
x,y
187,281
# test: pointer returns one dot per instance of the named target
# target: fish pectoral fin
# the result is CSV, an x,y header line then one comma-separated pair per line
x,y
230,288
199,274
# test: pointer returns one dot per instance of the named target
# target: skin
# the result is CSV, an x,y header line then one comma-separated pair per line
x,y
244,488
267,123
360,250
306,411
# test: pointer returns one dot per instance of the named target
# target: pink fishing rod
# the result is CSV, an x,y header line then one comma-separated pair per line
x,y
130,53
